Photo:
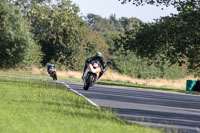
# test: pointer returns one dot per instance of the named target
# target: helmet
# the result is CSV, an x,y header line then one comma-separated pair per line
x,y
98,54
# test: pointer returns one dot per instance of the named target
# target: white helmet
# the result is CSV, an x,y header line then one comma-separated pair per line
x,y
98,54
48,64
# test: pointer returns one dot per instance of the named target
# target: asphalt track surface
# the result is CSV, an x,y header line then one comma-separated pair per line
x,y
169,111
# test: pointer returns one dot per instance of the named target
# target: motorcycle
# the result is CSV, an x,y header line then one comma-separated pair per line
x,y
91,74
52,72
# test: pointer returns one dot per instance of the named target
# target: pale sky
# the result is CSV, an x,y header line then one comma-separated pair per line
x,y
105,8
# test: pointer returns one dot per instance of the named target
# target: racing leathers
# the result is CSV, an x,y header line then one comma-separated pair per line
x,y
49,66
101,60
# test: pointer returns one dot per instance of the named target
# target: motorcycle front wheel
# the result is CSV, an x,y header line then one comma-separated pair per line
x,y
89,82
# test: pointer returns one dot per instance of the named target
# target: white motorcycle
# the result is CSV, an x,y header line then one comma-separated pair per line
x,y
91,74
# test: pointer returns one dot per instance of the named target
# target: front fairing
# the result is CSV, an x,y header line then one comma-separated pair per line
x,y
51,69
93,69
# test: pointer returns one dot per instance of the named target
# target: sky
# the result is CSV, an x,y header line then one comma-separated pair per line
x,y
105,8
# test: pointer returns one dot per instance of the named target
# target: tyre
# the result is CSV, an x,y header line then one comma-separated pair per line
x,y
85,87
89,82
54,77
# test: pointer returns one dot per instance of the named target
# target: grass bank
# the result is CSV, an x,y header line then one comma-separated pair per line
x,y
28,106
109,78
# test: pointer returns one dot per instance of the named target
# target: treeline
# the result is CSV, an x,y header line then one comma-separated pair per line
x,y
120,34
174,39
17,46
37,32
33,33
112,24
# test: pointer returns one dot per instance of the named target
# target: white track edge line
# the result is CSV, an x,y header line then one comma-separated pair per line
x,y
67,86
63,83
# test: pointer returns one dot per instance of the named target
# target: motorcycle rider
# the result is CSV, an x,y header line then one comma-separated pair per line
x,y
98,57
48,66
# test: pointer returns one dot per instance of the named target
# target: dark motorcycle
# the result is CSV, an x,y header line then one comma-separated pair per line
x,y
52,72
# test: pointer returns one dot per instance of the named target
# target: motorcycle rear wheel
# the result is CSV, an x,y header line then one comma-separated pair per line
x,y
54,77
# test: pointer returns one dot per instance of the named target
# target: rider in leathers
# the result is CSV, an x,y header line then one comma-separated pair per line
x,y
98,57
48,66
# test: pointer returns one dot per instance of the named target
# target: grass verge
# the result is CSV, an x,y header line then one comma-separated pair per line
x,y
109,78
113,83
28,106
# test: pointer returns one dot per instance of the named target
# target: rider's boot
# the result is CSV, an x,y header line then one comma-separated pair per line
x,y
96,80
83,76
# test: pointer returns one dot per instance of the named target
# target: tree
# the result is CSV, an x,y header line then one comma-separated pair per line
x,y
99,24
180,5
17,48
130,23
174,38
64,37
93,42
25,5
112,24
58,30
116,23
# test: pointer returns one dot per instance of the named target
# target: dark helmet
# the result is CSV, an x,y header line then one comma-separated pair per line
x,y
98,54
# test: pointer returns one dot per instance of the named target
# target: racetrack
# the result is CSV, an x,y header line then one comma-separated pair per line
x,y
169,111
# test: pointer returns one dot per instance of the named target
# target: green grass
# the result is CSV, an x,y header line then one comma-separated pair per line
x,y
127,84
24,74
29,106
114,83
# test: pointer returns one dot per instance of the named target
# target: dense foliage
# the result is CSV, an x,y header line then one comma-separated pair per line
x,y
174,38
45,32
128,62
124,61
17,47
112,24
58,31
63,35
179,4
